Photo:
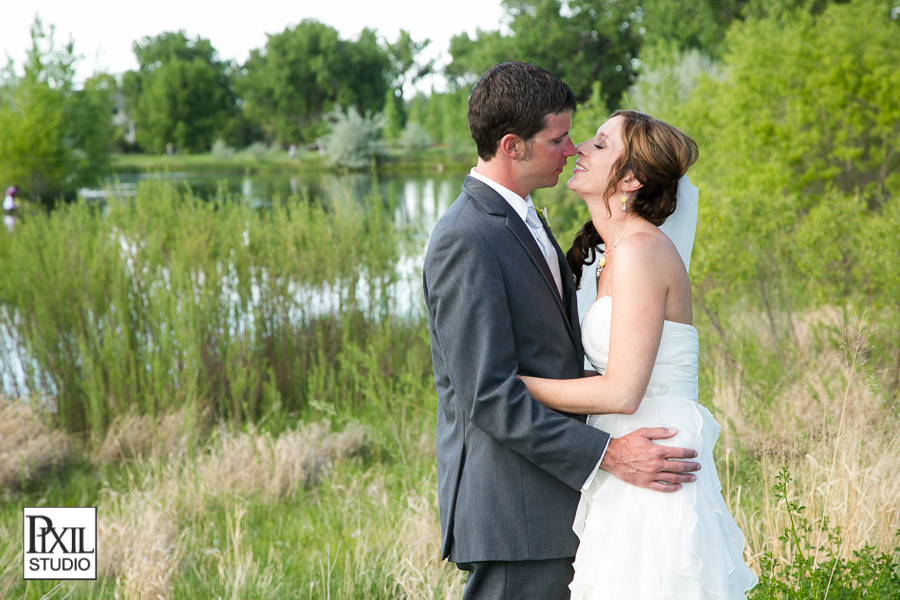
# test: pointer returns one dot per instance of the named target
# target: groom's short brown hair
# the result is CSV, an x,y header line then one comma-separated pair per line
x,y
514,97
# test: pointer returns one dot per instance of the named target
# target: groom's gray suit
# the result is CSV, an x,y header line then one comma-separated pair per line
x,y
509,469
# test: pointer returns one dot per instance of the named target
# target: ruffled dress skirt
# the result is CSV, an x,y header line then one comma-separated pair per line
x,y
640,544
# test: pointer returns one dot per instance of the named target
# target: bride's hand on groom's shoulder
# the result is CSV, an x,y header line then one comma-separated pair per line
x,y
635,459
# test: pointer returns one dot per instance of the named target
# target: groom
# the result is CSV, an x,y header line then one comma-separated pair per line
x,y
501,301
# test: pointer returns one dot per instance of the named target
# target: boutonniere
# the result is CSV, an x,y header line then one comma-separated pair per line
x,y
545,218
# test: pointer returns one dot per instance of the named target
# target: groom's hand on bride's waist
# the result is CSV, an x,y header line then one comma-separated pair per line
x,y
635,459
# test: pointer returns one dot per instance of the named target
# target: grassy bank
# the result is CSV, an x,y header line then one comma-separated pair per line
x,y
247,398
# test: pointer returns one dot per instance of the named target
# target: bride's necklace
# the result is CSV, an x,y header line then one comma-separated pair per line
x,y
602,261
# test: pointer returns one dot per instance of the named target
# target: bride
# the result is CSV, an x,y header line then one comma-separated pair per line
x,y
636,543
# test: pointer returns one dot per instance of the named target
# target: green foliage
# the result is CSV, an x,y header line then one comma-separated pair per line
x,y
169,300
354,140
404,54
414,138
180,94
807,103
699,25
587,42
442,117
393,117
589,116
305,72
221,150
455,124
55,138
798,159
667,79
818,572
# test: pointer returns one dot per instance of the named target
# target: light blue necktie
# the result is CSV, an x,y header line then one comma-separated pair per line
x,y
546,247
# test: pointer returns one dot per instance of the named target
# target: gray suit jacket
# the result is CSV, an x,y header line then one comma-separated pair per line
x,y
509,469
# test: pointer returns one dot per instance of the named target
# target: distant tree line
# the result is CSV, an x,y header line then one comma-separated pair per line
x,y
306,78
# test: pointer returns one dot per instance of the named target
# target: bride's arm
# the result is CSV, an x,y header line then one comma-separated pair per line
x,y
638,312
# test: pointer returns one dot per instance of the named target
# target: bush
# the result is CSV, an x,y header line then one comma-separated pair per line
x,y
221,150
354,140
259,150
869,574
414,138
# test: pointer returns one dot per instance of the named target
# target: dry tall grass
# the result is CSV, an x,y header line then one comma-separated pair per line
x,y
141,528
238,571
838,438
27,446
10,561
253,462
134,435
418,571
139,541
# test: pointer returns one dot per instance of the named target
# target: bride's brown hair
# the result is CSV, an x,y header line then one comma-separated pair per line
x,y
658,155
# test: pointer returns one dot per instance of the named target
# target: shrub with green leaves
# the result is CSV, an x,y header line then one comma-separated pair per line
x,y
354,140
414,138
818,572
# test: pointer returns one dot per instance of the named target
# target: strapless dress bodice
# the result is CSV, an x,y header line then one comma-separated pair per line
x,y
676,366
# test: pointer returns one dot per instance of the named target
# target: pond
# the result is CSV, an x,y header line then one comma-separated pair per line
x,y
420,198
416,200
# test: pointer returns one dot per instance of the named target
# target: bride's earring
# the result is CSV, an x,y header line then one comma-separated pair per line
x,y
624,200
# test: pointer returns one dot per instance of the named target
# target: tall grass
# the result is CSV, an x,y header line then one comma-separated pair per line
x,y
167,299
809,458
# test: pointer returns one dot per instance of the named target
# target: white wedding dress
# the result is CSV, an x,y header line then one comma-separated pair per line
x,y
640,544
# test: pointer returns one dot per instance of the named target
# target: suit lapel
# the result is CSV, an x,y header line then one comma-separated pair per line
x,y
494,204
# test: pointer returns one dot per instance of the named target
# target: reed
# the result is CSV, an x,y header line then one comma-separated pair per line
x,y
168,300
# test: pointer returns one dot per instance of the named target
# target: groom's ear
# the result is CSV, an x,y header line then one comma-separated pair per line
x,y
511,146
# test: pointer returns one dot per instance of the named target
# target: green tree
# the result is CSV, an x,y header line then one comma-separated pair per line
x,y
799,134
55,138
305,72
808,103
589,115
455,123
354,140
583,41
180,94
404,56
579,41
393,117
435,108
667,80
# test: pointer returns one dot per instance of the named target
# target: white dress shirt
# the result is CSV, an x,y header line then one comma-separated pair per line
x,y
520,206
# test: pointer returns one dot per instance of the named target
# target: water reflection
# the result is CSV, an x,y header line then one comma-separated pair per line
x,y
421,197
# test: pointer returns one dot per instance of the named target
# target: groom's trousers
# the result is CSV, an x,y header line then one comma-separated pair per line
x,y
518,580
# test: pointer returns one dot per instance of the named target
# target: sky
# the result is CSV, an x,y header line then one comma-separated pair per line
x,y
104,30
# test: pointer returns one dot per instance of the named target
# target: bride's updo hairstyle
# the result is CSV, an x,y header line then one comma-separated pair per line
x,y
658,155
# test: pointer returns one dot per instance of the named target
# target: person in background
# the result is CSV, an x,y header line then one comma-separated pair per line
x,y
10,207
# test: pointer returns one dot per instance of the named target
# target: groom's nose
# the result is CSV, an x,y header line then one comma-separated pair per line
x,y
570,148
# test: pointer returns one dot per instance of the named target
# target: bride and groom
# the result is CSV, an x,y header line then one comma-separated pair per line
x,y
524,474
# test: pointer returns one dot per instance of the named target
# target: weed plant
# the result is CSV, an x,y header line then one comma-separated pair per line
x,y
821,571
